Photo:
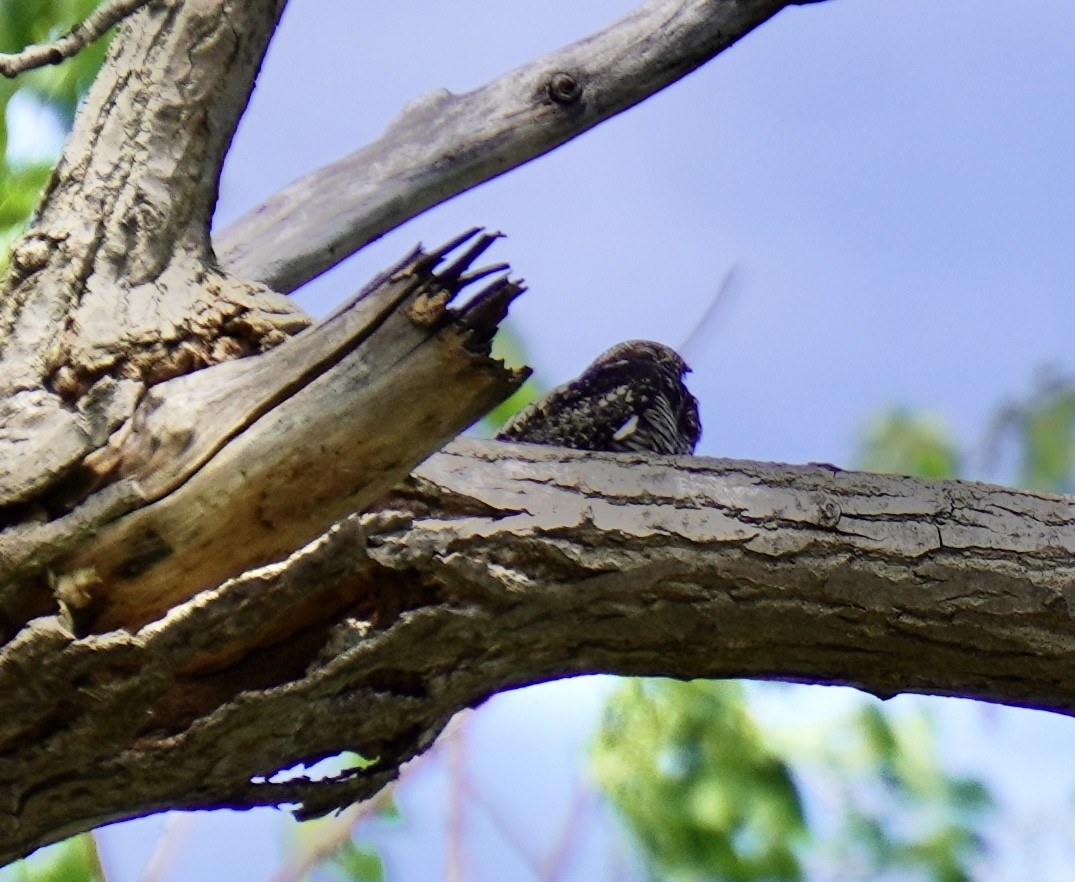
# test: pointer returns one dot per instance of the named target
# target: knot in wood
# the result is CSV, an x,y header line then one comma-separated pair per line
x,y
32,253
563,88
828,513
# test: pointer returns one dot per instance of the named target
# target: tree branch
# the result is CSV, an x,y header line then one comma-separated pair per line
x,y
114,287
234,466
71,43
444,144
499,565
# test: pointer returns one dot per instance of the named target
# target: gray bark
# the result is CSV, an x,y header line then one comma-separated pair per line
x,y
443,144
499,565
169,438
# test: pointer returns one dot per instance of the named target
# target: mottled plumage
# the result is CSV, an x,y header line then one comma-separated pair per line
x,y
630,398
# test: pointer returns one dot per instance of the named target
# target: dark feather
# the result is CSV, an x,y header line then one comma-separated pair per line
x,y
630,398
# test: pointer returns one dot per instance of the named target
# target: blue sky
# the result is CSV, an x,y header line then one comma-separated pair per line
x,y
892,182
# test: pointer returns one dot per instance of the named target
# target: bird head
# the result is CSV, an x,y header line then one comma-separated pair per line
x,y
649,351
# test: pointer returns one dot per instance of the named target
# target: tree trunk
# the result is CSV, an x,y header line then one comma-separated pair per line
x,y
188,604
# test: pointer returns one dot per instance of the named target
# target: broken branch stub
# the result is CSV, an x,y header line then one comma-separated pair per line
x,y
241,464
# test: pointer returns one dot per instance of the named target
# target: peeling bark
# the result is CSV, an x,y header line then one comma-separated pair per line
x,y
498,566
115,287
169,438
236,466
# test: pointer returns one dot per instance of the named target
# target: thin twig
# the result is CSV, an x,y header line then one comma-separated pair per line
x,y
518,843
163,857
71,43
302,863
456,856
556,865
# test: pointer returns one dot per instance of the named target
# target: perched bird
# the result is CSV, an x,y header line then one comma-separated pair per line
x,y
631,398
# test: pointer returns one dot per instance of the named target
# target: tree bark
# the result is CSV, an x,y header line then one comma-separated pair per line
x,y
497,566
443,144
171,432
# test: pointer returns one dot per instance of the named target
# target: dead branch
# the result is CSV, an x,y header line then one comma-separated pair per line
x,y
444,144
235,466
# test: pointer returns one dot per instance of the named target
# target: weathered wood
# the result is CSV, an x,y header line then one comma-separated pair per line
x,y
115,280
502,565
150,502
443,144
235,466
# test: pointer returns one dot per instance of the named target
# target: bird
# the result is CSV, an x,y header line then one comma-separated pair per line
x,y
632,398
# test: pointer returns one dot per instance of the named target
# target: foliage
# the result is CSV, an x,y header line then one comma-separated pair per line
x,y
900,442
54,91
1043,431
710,794
329,842
883,807
1038,429
358,863
690,772
509,348
708,791
74,860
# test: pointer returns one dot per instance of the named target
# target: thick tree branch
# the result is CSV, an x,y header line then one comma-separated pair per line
x,y
238,465
114,287
71,43
444,144
157,658
498,566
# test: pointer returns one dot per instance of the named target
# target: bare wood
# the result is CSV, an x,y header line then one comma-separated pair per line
x,y
141,491
444,144
114,287
233,467
499,566
71,43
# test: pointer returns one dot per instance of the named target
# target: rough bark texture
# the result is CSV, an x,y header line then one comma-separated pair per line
x,y
165,645
115,287
499,565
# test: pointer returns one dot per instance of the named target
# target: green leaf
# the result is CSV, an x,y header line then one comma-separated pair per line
x,y
23,24
58,87
902,442
73,860
358,863
1043,428
708,794
509,348
686,768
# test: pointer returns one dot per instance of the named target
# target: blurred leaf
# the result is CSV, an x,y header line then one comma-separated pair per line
x,y
685,765
73,860
900,814
20,188
57,87
62,85
509,348
878,734
329,841
1043,430
709,795
901,442
389,811
358,863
